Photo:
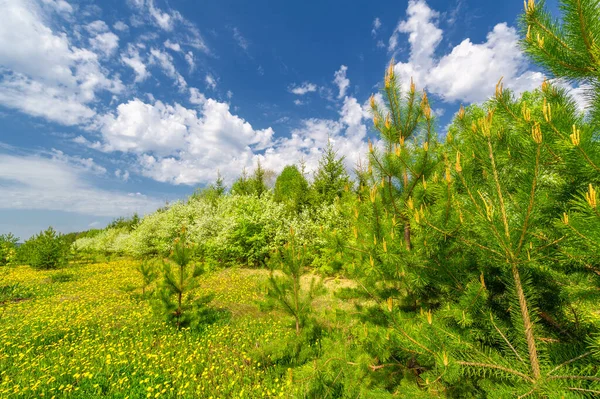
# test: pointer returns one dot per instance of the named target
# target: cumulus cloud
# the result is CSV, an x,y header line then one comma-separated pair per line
x,y
120,26
47,76
36,182
469,72
302,89
341,81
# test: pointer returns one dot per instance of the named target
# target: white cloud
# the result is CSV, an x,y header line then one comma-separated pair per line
x,y
165,20
376,26
298,102
134,61
173,46
341,80
210,81
60,6
49,77
304,88
189,58
229,94
120,26
470,71
196,97
35,182
85,164
240,40
165,61
106,42
123,175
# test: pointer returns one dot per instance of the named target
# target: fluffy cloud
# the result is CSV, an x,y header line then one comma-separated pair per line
x,y
103,40
35,182
304,88
44,74
176,144
341,81
470,71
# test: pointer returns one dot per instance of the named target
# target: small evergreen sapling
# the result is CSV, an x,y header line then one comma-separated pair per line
x,y
285,291
149,274
177,298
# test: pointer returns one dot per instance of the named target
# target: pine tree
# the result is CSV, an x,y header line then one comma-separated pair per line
x,y
286,291
177,298
331,178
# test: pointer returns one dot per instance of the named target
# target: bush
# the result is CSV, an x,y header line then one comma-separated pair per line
x,y
47,250
8,248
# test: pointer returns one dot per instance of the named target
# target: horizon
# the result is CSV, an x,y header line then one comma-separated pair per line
x,y
118,107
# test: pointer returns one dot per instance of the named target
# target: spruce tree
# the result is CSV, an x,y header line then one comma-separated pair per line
x,y
331,178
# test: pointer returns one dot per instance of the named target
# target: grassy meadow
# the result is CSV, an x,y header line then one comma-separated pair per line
x,y
85,331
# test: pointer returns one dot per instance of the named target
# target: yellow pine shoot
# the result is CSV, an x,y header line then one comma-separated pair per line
x,y
575,136
540,40
397,150
547,111
526,112
426,145
424,183
528,35
461,112
401,141
529,6
372,101
388,123
390,304
482,280
499,87
536,133
565,218
429,317
370,146
375,121
371,261
384,246
355,231
590,197
373,193
374,240
410,203
457,165
448,176
413,88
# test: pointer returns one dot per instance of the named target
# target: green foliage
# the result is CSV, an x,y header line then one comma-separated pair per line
x,y
149,273
291,188
8,248
566,48
331,178
177,298
46,250
286,290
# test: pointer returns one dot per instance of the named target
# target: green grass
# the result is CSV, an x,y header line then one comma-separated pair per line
x,y
84,332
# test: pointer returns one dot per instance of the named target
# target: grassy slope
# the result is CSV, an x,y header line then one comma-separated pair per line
x,y
91,336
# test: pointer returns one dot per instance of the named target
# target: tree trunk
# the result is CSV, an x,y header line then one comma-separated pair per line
x,y
533,357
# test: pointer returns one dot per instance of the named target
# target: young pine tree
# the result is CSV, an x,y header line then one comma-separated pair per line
x,y
331,178
178,300
286,291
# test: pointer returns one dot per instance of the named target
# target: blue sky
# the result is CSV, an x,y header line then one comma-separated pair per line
x,y
114,107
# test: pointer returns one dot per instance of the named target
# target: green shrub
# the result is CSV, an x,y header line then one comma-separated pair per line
x,y
8,248
47,250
